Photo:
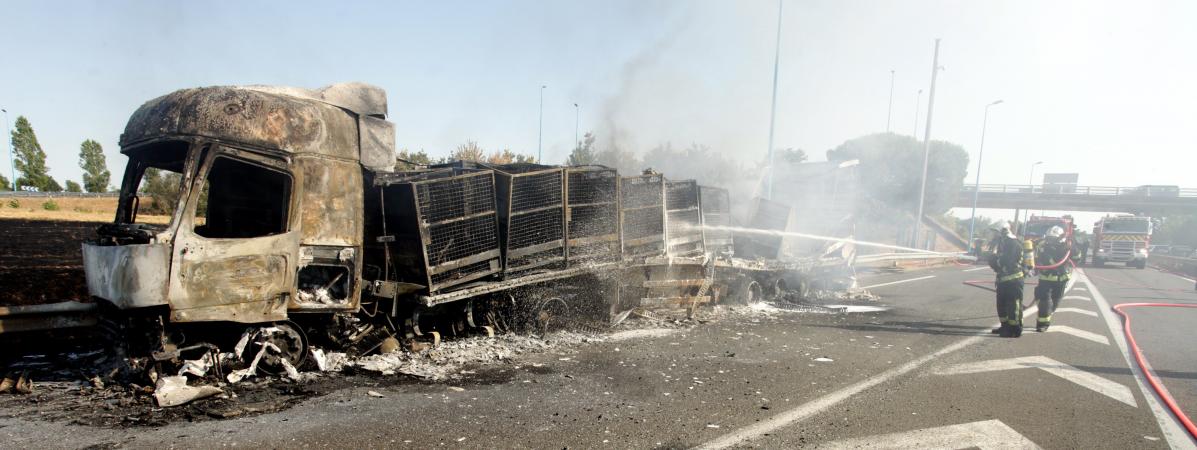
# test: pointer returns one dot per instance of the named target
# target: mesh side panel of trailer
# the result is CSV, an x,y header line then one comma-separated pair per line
x,y
536,190
593,213
456,197
643,210
458,215
536,229
684,224
716,212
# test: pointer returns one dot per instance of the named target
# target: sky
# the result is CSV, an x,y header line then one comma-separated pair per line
x,y
1101,88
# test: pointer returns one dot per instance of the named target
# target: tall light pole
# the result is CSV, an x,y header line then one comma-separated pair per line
x,y
972,221
8,138
1031,181
889,112
577,120
918,220
773,105
540,131
918,103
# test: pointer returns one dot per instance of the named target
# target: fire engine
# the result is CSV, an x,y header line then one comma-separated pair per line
x,y
1122,238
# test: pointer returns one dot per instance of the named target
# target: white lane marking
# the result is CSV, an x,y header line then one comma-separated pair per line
x,y
899,281
1082,378
1078,311
974,269
1076,297
985,435
1176,436
1079,333
808,409
1080,289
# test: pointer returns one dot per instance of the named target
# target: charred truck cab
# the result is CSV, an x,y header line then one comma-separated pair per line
x,y
268,220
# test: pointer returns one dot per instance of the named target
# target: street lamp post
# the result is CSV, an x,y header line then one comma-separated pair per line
x,y
890,110
918,104
540,130
8,138
577,120
773,105
1025,213
918,219
972,221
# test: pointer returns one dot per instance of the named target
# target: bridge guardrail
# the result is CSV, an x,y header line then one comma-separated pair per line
x,y
1137,191
1186,266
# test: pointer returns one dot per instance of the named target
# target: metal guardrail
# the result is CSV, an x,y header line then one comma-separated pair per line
x,y
1137,191
1187,266
25,194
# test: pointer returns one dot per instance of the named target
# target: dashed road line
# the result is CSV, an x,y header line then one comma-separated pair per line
x,y
1077,310
1077,297
1176,436
974,269
899,282
1100,339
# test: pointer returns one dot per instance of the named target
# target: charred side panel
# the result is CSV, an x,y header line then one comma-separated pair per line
x,y
441,227
765,215
531,202
683,218
592,214
716,212
642,215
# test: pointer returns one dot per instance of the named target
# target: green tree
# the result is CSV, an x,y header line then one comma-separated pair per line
x,y
469,151
72,186
891,168
409,160
792,155
583,153
94,165
163,188
5,184
30,159
506,156
697,162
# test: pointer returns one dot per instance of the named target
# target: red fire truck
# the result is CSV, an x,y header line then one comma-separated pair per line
x,y
1122,238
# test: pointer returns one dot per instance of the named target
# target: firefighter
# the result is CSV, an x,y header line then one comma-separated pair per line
x,y
1054,273
1007,264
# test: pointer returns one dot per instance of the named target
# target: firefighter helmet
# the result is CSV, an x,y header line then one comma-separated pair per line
x,y
1055,232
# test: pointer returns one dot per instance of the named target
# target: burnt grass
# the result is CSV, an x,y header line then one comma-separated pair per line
x,y
41,261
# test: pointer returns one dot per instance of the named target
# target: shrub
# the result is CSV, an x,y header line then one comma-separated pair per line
x,y
14,203
50,205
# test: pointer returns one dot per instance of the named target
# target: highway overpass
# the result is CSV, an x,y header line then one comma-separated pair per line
x,y
1142,199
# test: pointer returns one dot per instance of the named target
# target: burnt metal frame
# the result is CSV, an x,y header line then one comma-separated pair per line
x,y
652,244
682,203
507,181
611,240
413,182
715,204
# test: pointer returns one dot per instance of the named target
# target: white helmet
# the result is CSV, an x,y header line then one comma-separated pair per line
x,y
1055,232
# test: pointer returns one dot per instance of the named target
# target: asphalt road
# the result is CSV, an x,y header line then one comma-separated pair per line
x,y
922,372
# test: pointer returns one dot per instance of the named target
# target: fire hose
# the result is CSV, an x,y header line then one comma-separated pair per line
x,y
1155,382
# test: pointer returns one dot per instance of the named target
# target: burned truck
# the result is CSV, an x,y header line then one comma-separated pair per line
x,y
289,217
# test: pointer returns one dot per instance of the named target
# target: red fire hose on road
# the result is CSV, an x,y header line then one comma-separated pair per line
x,y
1151,378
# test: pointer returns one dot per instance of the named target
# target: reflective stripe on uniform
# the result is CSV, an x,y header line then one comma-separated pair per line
x,y
1013,276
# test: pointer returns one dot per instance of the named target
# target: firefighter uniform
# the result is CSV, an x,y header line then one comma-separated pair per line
x,y
1007,263
1052,281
